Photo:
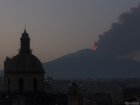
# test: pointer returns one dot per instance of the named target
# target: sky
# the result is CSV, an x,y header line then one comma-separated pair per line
x,y
56,27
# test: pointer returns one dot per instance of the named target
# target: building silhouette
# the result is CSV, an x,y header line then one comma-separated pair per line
x,y
24,82
74,96
24,72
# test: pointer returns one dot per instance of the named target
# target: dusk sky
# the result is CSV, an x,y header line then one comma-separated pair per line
x,y
56,27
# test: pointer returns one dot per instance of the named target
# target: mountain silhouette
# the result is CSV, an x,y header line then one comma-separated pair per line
x,y
86,64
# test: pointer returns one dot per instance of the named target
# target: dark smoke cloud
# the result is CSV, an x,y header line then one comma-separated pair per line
x,y
124,36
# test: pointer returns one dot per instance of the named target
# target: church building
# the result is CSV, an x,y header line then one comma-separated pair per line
x,y
24,72
24,81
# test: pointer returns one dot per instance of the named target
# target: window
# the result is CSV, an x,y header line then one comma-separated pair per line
x,y
21,85
35,84
9,84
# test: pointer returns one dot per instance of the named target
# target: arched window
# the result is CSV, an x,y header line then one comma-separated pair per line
x,y
35,84
9,84
21,85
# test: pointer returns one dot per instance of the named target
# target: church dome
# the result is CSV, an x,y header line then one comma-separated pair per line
x,y
25,61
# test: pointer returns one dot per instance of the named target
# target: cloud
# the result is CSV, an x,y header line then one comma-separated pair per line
x,y
124,36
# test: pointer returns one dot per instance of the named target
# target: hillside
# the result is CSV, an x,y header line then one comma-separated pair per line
x,y
86,64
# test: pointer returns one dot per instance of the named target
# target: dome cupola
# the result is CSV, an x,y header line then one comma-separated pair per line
x,y
25,43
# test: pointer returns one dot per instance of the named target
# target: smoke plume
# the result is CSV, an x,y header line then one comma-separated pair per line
x,y
124,36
